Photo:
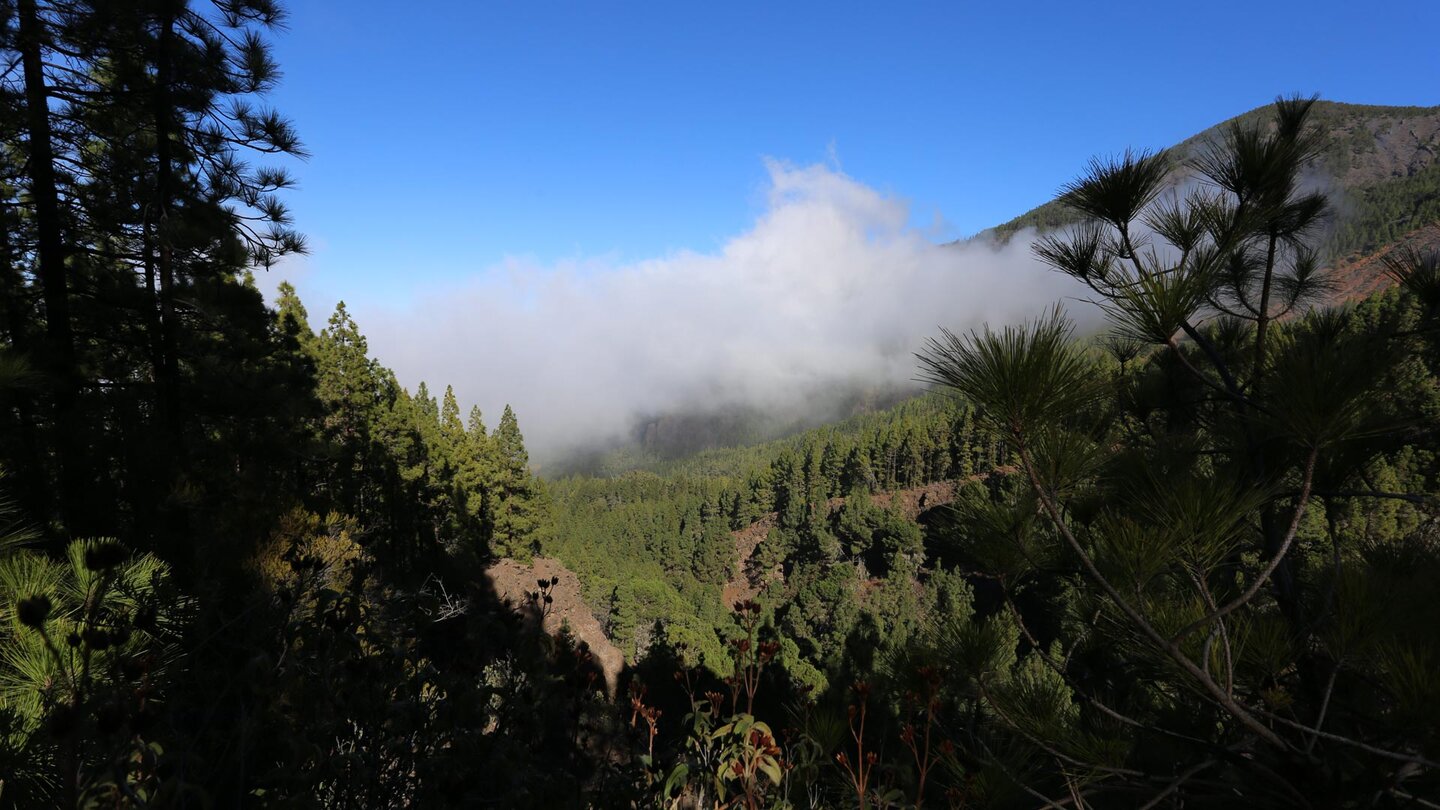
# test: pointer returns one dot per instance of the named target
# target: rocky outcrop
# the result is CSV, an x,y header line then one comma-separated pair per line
x,y
513,581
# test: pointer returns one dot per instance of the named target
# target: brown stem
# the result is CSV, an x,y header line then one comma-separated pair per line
x,y
1171,648
1229,389
1324,707
1262,323
1279,556
1219,629
1379,752
1050,749
1175,785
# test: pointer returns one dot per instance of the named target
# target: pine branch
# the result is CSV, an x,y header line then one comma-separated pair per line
x,y
1170,647
1177,784
1264,576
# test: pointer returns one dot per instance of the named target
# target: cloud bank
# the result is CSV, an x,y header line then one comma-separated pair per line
x,y
830,286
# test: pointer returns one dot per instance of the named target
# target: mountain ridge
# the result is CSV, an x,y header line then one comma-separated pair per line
x,y
1363,149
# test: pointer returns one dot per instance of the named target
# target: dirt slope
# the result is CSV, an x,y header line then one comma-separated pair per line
x,y
512,580
1360,276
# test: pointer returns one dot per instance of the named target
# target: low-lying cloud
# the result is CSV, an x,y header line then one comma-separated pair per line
x,y
830,286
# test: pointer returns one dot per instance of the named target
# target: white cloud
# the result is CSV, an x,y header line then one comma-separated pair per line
x,y
830,285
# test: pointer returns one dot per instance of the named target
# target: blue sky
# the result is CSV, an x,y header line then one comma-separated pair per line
x,y
451,137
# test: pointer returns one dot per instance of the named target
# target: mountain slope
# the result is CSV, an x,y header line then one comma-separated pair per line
x,y
645,533
1379,162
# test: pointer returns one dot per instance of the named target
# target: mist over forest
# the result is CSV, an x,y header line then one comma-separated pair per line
x,y
829,293
1127,500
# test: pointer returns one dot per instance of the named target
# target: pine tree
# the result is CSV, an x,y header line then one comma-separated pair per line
x,y
450,425
132,117
1186,499
475,477
294,319
349,386
858,474
515,498
33,38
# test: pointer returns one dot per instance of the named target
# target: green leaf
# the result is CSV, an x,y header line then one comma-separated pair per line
x,y
770,768
679,775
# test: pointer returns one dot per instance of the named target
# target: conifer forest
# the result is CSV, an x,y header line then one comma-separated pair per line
x,y
1172,542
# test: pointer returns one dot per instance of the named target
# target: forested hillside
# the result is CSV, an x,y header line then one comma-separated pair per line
x,y
1186,562
656,550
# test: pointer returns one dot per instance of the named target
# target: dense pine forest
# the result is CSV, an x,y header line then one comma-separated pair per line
x,y
1187,559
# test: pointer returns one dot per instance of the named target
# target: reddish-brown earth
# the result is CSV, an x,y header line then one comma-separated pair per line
x,y
1359,276
512,580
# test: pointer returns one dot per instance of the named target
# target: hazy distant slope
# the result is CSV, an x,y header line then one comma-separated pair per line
x,y
1382,161
1379,162
657,442
735,460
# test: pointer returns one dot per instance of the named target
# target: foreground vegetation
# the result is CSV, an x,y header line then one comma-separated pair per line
x,y
1190,564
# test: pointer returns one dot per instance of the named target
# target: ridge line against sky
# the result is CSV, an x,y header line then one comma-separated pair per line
x,y
627,204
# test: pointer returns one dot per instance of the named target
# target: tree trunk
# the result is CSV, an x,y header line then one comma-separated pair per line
x,y
173,522
165,259
35,497
50,268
